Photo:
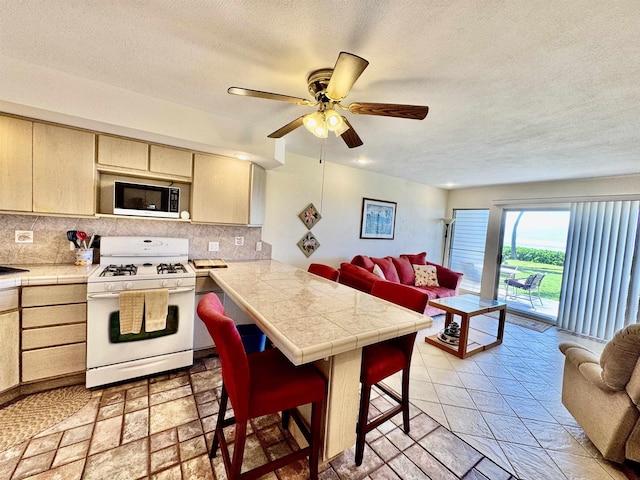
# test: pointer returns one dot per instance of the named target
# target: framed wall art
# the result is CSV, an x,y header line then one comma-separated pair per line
x,y
378,219
308,244
310,216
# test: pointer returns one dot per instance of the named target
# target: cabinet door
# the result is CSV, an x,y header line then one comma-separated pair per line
x,y
170,161
10,348
63,170
119,152
258,191
15,164
220,190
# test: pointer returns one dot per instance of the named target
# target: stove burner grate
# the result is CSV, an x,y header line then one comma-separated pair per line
x,y
119,270
163,268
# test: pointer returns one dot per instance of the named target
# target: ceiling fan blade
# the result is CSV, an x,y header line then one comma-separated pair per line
x,y
267,95
289,127
345,73
350,136
415,112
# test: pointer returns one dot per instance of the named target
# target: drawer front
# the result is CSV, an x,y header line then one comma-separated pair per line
x,y
53,336
56,315
54,295
8,299
51,362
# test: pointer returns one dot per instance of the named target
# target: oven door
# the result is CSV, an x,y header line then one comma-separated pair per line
x,y
107,346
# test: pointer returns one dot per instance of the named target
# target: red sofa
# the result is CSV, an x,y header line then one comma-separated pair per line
x,y
359,275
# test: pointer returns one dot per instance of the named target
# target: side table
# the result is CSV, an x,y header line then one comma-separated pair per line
x,y
471,340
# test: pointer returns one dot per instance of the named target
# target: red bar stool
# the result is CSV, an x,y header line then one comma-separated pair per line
x,y
325,271
260,384
383,359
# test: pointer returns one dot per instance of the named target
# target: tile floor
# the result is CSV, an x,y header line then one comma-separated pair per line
x,y
495,415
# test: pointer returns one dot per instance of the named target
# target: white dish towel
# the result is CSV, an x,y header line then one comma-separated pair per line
x,y
156,304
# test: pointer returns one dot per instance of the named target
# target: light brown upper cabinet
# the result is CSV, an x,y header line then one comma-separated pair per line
x,y
16,164
220,190
258,192
170,161
122,153
63,170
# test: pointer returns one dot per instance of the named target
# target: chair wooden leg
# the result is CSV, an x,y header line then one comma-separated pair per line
x,y
361,430
238,450
224,397
286,416
405,399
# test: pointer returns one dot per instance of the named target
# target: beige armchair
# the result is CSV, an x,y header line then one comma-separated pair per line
x,y
603,394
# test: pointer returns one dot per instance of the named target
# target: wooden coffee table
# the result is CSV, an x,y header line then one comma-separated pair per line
x,y
472,340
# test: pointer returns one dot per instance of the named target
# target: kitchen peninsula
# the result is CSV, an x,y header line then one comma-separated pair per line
x,y
311,319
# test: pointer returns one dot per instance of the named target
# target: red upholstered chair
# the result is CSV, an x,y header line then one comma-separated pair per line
x,y
383,359
260,384
324,271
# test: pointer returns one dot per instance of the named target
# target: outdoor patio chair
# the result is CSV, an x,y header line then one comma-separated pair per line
x,y
528,284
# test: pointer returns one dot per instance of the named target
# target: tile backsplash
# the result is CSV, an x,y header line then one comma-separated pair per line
x,y
50,244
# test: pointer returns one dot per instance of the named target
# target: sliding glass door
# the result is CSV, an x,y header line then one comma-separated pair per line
x,y
533,254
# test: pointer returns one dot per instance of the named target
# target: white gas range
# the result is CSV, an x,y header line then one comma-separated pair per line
x,y
139,277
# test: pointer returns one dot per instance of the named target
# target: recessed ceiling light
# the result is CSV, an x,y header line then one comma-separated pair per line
x,y
242,156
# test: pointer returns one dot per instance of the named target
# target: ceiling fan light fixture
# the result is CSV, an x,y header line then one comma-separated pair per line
x,y
341,128
334,120
316,123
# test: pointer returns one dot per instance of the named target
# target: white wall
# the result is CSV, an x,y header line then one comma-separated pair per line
x,y
292,187
51,95
531,194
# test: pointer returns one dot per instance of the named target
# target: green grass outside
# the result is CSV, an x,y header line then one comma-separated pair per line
x,y
551,283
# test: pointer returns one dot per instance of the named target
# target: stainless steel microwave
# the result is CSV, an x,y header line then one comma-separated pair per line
x,y
146,200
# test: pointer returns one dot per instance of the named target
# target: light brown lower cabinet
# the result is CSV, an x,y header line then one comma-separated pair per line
x,y
10,348
9,339
54,331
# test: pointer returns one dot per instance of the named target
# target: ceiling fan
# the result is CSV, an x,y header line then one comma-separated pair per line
x,y
329,86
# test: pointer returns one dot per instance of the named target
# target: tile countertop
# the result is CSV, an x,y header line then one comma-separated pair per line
x,y
46,274
308,317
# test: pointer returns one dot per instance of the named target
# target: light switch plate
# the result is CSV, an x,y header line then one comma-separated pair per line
x,y
24,236
214,246
258,246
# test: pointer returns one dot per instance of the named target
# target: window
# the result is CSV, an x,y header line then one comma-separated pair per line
x,y
466,252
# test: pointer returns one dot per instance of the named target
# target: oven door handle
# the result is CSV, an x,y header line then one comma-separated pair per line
x,y
116,294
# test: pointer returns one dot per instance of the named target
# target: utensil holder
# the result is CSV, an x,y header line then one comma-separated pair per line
x,y
84,256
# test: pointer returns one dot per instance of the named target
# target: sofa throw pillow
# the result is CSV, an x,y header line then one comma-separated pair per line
x,y
426,276
405,270
416,259
387,267
378,271
363,261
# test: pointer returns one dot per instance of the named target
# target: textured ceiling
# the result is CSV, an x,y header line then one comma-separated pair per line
x,y
518,91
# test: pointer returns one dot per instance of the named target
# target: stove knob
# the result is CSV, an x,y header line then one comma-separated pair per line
x,y
110,286
163,283
179,282
128,285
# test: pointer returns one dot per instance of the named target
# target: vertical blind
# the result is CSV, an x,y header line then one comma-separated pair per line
x,y
466,252
601,282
